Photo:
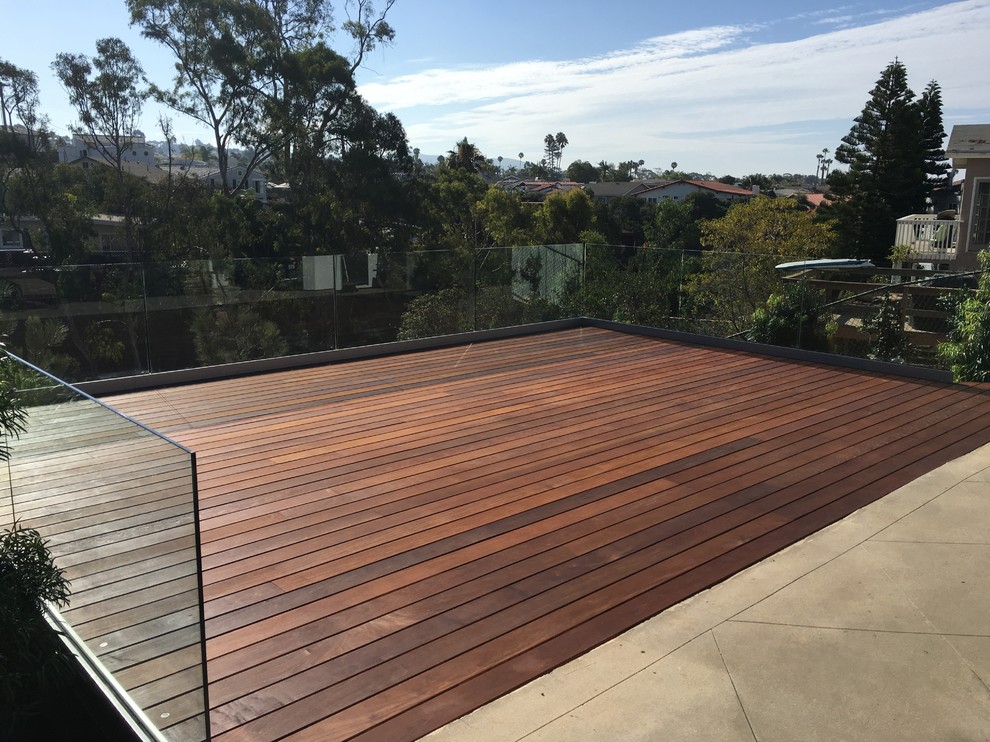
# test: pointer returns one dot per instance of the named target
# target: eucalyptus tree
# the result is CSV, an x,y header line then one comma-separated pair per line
x,y
105,93
18,149
18,94
260,73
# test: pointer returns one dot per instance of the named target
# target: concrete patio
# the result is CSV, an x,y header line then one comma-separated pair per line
x,y
876,628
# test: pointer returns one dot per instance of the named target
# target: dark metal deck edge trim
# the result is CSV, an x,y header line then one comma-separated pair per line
x,y
129,711
777,351
265,365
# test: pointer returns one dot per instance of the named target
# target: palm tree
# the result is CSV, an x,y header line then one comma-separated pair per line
x,y
466,156
560,141
550,147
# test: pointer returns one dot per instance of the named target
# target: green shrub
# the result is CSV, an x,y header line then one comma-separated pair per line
x,y
968,348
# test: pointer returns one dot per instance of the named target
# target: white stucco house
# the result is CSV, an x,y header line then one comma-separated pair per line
x,y
81,146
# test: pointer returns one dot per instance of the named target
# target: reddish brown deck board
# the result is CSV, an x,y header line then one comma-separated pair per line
x,y
389,543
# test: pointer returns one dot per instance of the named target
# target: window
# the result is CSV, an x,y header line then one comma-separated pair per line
x,y
112,243
257,186
146,153
134,153
979,235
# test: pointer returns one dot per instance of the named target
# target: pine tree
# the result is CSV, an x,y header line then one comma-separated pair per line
x,y
933,135
886,151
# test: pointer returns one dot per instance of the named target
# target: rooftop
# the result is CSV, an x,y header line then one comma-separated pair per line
x,y
390,543
968,141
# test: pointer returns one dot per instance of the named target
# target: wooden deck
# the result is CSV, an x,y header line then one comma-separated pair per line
x,y
390,543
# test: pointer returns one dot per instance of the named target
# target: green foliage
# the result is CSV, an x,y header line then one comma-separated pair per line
x,y
43,340
676,225
737,275
261,74
640,286
13,418
235,332
103,347
553,150
18,95
887,339
104,92
32,663
792,318
58,196
28,577
504,218
623,220
592,237
562,217
447,214
466,156
581,171
456,309
444,312
968,348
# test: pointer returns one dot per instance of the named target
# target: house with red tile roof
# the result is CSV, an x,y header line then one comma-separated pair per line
x,y
678,190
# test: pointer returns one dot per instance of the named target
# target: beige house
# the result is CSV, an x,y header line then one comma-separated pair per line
x,y
969,149
955,239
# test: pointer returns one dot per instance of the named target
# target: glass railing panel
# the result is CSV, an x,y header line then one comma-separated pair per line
x,y
99,321
499,301
176,293
371,291
523,285
412,295
211,312
116,503
81,322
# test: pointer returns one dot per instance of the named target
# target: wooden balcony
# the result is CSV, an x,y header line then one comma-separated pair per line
x,y
928,238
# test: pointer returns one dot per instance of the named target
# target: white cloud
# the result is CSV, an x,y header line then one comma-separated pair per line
x,y
709,96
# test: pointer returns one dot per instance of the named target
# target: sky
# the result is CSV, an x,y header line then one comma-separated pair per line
x,y
719,87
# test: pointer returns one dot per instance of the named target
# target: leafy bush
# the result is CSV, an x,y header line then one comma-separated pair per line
x,y
886,328
968,347
32,662
792,318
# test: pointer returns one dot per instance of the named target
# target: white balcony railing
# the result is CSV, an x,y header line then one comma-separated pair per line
x,y
927,237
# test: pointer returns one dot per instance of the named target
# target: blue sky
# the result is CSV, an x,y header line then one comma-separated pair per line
x,y
720,87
